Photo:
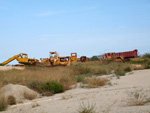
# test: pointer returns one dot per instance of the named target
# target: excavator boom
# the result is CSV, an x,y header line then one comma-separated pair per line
x,y
10,59
23,59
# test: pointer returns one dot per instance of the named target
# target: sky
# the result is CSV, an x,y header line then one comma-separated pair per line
x,y
88,27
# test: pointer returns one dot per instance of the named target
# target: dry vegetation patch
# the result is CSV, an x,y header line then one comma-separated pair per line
x,y
94,82
90,108
138,97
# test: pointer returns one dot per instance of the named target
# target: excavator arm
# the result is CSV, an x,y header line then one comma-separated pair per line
x,y
10,59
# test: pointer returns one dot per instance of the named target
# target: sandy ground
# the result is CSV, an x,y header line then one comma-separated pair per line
x,y
3,68
107,99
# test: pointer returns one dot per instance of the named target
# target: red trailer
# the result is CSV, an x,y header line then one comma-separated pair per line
x,y
121,55
128,54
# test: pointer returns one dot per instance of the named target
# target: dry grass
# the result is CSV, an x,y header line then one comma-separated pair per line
x,y
30,96
38,75
90,108
138,97
94,82
33,77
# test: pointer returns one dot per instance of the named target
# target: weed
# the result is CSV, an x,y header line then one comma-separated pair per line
x,y
139,61
94,58
110,84
3,104
79,69
147,66
100,72
81,78
35,105
94,82
127,69
120,73
146,55
138,98
53,87
86,109
30,96
1,64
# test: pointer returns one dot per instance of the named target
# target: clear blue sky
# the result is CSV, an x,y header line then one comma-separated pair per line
x,y
88,27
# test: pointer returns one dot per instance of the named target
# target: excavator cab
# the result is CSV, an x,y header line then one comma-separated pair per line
x,y
23,55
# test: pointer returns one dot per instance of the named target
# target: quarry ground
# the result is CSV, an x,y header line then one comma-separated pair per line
x,y
117,97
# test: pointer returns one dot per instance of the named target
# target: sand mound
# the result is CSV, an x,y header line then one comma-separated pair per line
x,y
5,68
17,93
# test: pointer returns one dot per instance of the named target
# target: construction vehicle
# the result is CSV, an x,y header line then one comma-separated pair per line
x,y
75,59
22,58
114,57
121,56
55,60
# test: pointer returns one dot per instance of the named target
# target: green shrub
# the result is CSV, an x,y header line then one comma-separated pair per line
x,y
1,64
101,71
80,70
120,73
36,85
94,58
53,87
147,66
81,78
146,55
127,69
139,62
3,105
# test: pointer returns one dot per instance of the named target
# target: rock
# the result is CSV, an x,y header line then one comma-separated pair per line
x,y
17,93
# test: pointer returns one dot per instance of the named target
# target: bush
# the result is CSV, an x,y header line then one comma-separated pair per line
x,y
127,69
81,78
146,55
80,70
147,66
3,105
94,58
139,62
53,87
1,64
120,73
101,71
36,85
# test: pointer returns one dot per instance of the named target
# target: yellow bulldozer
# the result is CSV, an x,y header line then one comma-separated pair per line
x,y
22,58
55,60
75,59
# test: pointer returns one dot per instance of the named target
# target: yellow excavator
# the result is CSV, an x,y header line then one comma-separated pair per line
x,y
23,59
